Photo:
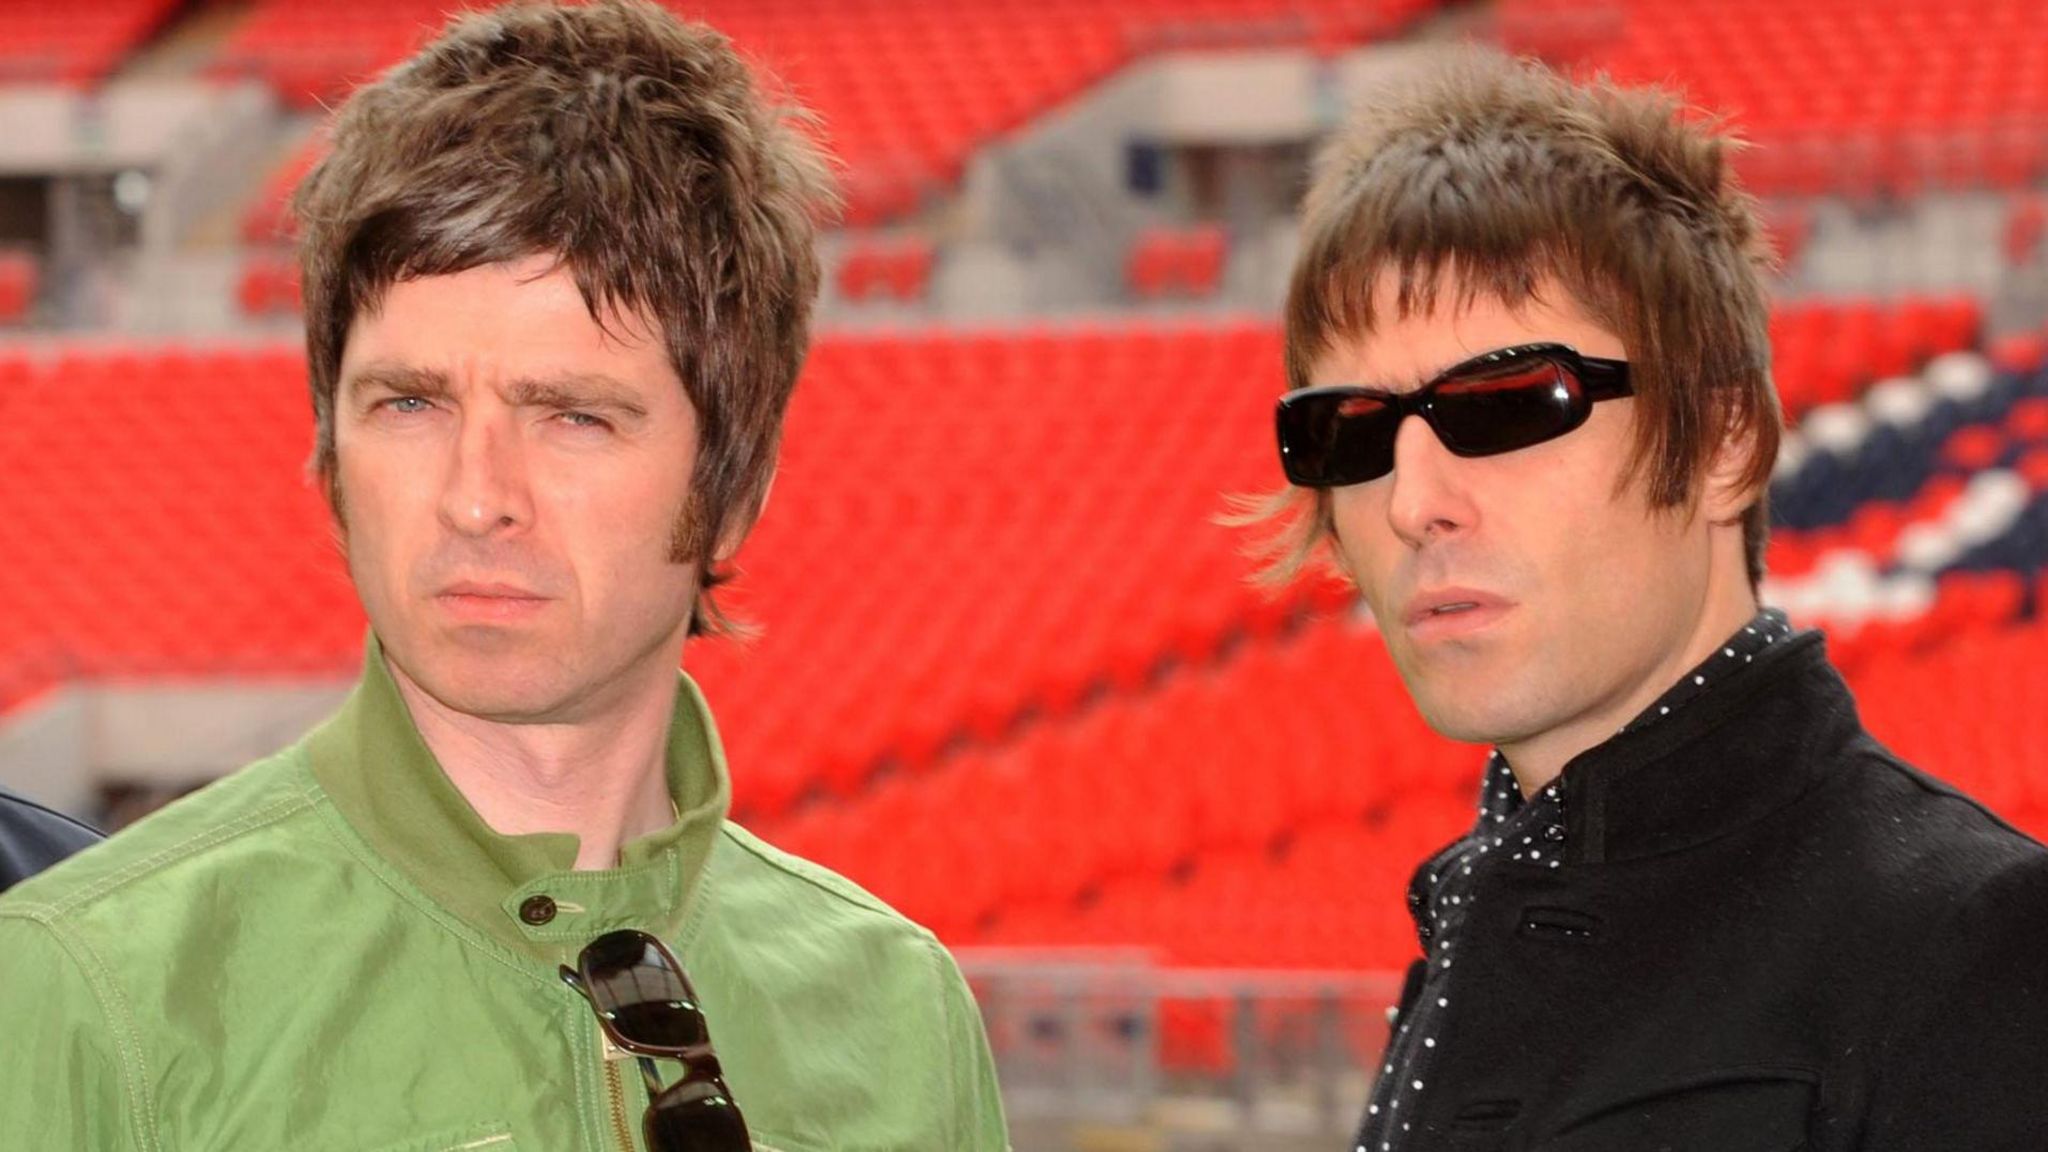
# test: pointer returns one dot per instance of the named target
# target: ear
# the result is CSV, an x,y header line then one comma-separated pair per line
x,y
736,532
1728,491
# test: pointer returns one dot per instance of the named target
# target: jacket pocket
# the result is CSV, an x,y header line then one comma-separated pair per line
x,y
1740,1110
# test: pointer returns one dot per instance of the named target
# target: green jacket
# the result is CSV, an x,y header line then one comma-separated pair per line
x,y
325,952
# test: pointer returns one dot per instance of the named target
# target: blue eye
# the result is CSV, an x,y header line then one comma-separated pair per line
x,y
585,420
407,405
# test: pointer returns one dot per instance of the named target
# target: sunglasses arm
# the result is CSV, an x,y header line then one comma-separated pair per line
x,y
650,1074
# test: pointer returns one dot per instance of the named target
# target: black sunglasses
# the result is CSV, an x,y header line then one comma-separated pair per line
x,y
646,1007
1493,403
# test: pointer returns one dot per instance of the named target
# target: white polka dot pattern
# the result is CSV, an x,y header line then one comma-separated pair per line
x,y
1532,833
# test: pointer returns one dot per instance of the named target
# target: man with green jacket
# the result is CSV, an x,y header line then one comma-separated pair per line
x,y
558,270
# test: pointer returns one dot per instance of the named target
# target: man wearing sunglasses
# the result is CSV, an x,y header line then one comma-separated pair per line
x,y
1700,909
558,272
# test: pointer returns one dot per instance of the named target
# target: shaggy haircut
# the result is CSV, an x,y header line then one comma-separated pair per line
x,y
635,150
1494,177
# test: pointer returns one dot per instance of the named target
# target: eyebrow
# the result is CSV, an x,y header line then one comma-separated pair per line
x,y
569,390
576,390
400,378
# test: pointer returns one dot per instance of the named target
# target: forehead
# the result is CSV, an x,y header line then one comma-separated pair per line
x,y
1401,352
525,318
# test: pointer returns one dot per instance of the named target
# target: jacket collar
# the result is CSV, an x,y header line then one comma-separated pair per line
x,y
371,762
1728,759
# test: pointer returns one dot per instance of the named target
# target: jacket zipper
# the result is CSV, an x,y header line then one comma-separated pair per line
x,y
617,1091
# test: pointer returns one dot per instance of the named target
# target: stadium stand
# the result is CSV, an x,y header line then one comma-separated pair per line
x,y
905,89
886,267
985,604
187,547
1829,351
1003,627
73,44
1840,95
266,220
1177,261
269,284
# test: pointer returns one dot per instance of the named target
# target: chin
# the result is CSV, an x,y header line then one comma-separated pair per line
x,y
500,698
1472,709
499,685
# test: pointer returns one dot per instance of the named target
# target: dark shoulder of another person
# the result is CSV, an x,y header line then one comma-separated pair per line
x,y
33,837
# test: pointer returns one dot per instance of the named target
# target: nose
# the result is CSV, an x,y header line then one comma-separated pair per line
x,y
1428,500
485,491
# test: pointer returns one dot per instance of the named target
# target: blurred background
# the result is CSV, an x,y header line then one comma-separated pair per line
x,y
1012,678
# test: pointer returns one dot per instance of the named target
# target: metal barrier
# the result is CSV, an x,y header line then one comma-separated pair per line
x,y
1103,1048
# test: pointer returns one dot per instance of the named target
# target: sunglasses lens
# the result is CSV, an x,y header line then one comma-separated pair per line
x,y
1506,406
642,993
1334,439
696,1116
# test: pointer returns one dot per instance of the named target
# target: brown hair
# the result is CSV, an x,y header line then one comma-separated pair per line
x,y
630,146
1497,176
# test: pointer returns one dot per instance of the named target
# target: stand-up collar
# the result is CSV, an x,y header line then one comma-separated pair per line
x,y
523,891
1727,759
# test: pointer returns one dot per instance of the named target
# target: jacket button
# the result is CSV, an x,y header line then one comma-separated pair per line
x,y
537,910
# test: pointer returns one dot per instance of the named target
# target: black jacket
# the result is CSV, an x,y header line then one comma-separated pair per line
x,y
33,837
1769,934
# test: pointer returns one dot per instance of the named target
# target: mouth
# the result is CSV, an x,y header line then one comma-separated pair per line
x,y
489,603
1453,612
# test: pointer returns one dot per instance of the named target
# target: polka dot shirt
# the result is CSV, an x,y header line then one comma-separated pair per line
x,y
1510,833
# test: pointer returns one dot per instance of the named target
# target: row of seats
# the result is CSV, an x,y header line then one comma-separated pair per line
x,y
1328,895
1828,351
893,267
172,533
906,89
2018,442
1177,261
1890,446
1217,758
966,527
969,529
269,284
1836,94
77,44
1306,731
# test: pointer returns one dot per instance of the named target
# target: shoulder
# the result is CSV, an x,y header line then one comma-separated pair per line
x,y
1959,1062
2001,925
755,871
1939,842
157,862
768,902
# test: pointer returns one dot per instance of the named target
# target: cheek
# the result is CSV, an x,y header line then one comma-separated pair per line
x,y
1362,536
1618,560
387,515
617,526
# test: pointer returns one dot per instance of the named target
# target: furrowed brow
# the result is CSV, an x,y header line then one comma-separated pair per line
x,y
399,379
593,390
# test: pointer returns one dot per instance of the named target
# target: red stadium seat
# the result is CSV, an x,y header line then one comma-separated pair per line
x,y
19,276
1177,262
1003,628
907,89
76,45
1964,107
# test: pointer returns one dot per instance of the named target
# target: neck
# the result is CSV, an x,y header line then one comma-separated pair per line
x,y
603,779
1541,758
